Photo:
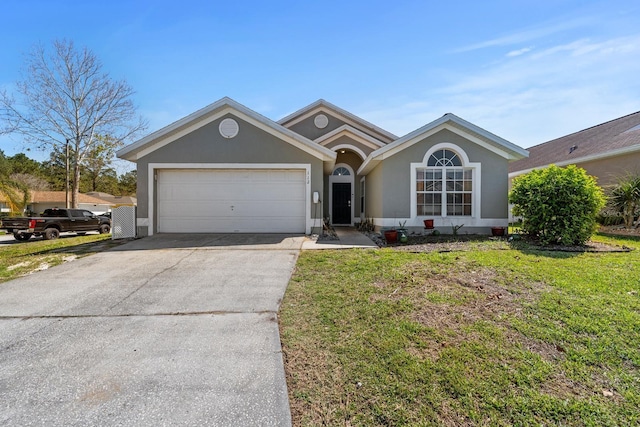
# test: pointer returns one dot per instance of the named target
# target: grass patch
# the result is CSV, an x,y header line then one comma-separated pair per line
x,y
489,336
24,258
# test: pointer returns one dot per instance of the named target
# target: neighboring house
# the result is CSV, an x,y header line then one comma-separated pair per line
x,y
607,151
41,200
115,201
226,168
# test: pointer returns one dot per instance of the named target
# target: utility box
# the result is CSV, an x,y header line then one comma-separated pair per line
x,y
123,222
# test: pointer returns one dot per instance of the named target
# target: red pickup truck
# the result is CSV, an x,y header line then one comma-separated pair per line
x,y
56,221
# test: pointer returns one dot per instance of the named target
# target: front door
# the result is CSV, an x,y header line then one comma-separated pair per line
x,y
341,202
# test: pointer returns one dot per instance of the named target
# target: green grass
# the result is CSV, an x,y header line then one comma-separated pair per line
x,y
481,337
23,258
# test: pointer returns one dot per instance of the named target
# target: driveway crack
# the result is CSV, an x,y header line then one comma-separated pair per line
x,y
146,282
115,316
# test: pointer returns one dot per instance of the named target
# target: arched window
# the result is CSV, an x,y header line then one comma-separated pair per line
x,y
444,187
340,171
444,158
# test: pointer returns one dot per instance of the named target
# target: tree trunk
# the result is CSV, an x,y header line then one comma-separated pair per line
x,y
75,188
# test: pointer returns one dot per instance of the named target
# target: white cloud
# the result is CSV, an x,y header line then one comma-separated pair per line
x,y
529,99
529,34
519,52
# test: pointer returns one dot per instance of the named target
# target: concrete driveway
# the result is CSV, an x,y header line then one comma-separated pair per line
x,y
166,330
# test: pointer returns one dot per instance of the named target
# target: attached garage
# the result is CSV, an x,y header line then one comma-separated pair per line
x,y
227,169
231,200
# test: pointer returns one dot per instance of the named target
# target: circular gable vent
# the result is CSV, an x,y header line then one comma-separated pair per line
x,y
321,121
228,128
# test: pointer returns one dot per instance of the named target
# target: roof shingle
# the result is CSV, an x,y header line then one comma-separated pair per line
x,y
595,141
59,197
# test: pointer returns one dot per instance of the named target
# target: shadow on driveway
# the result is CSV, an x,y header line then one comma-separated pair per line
x,y
217,241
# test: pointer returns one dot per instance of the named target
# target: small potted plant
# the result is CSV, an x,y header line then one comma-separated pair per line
x,y
391,235
497,231
403,233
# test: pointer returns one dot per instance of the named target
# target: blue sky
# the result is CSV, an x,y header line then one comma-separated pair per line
x,y
528,71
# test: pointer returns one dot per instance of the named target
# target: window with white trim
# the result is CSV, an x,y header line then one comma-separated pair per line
x,y
444,187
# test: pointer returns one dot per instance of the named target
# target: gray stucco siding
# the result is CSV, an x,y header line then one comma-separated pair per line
x,y
206,146
142,210
251,145
396,180
373,193
308,129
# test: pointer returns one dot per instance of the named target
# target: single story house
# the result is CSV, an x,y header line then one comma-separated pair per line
x,y
41,200
226,168
115,201
607,151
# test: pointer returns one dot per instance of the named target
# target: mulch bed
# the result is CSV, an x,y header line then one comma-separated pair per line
x,y
466,242
619,230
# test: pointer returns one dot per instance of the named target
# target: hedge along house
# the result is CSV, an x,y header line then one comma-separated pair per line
x,y
228,169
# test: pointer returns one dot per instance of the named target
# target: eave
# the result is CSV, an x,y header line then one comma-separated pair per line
x,y
455,124
584,159
212,112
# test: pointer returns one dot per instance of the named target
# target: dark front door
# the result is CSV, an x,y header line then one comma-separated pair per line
x,y
341,203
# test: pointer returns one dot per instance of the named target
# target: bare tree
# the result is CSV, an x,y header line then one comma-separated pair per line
x,y
65,101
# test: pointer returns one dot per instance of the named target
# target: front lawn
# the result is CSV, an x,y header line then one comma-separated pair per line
x,y
20,258
488,336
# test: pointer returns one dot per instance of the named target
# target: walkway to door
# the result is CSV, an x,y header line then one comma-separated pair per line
x,y
348,237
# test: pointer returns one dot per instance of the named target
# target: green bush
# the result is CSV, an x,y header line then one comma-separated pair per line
x,y
624,198
558,205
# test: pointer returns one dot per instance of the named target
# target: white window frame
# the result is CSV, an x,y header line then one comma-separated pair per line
x,y
466,164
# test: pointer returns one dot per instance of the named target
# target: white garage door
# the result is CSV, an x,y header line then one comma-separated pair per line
x,y
231,201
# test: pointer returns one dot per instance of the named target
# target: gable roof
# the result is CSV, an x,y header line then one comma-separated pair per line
x,y
612,138
351,132
455,124
351,119
60,197
210,113
117,200
385,143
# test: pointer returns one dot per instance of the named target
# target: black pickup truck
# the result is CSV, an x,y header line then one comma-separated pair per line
x,y
56,221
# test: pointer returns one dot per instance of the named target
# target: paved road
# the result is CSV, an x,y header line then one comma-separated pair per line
x,y
8,239
166,330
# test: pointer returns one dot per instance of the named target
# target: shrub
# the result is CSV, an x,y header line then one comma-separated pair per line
x,y
625,198
558,205
608,219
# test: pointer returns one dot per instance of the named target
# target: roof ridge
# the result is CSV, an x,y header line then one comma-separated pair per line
x,y
164,135
321,102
